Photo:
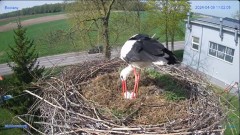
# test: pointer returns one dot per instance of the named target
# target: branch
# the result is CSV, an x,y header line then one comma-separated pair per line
x,y
109,8
30,125
97,120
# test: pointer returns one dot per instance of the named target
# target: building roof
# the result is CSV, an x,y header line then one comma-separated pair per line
x,y
227,22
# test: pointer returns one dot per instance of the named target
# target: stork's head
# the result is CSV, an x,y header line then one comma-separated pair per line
x,y
125,72
123,76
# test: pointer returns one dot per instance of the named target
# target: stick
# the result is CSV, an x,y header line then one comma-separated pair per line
x,y
30,125
69,111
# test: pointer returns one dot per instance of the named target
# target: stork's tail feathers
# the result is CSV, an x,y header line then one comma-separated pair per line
x,y
171,59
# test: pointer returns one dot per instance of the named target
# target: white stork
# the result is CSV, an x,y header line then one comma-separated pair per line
x,y
141,51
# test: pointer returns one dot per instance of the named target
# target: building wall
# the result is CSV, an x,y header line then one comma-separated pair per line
x,y
210,65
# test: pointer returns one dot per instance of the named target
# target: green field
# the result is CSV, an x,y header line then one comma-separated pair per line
x,y
39,33
53,38
22,18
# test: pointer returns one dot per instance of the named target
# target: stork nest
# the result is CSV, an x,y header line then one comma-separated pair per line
x,y
86,99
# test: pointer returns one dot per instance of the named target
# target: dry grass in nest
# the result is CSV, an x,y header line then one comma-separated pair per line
x,y
87,99
150,107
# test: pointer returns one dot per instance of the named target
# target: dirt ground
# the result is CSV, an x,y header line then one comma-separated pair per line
x,y
38,20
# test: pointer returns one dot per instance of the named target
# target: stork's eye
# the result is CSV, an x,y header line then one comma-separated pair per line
x,y
121,77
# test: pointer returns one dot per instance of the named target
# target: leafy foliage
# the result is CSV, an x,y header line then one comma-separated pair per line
x,y
167,15
96,23
93,16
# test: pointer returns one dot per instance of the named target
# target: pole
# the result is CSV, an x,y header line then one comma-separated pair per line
x,y
236,38
239,88
16,126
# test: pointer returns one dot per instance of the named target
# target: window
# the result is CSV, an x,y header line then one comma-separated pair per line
x,y
195,43
222,52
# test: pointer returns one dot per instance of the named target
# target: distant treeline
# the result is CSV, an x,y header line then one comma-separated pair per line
x,y
47,8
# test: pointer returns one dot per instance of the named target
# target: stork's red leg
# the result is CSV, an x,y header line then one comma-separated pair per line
x,y
124,87
137,77
137,82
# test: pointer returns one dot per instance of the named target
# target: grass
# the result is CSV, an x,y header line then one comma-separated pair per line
x,y
6,117
232,123
39,33
173,90
22,18
179,54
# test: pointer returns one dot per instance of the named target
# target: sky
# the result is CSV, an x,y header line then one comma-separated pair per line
x,y
220,8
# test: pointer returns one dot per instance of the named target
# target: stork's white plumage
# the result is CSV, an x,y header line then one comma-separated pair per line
x,y
141,51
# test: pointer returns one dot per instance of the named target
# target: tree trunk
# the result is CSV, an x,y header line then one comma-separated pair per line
x,y
107,49
138,17
166,24
166,34
172,42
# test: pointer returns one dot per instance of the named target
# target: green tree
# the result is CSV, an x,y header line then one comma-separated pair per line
x,y
24,57
178,10
93,13
158,17
167,16
26,70
98,22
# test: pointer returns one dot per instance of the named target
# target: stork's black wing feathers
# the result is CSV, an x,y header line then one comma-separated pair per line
x,y
145,50
148,49
152,47
148,44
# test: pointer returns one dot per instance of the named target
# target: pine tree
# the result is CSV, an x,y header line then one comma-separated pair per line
x,y
24,57
26,70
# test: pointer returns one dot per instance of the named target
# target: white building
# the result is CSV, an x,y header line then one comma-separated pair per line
x,y
212,47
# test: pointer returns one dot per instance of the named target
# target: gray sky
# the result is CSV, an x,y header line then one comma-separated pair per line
x,y
221,8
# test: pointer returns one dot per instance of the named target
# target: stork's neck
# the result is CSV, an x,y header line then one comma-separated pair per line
x,y
125,72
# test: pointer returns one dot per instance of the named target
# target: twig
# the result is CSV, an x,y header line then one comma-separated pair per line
x,y
69,111
30,125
